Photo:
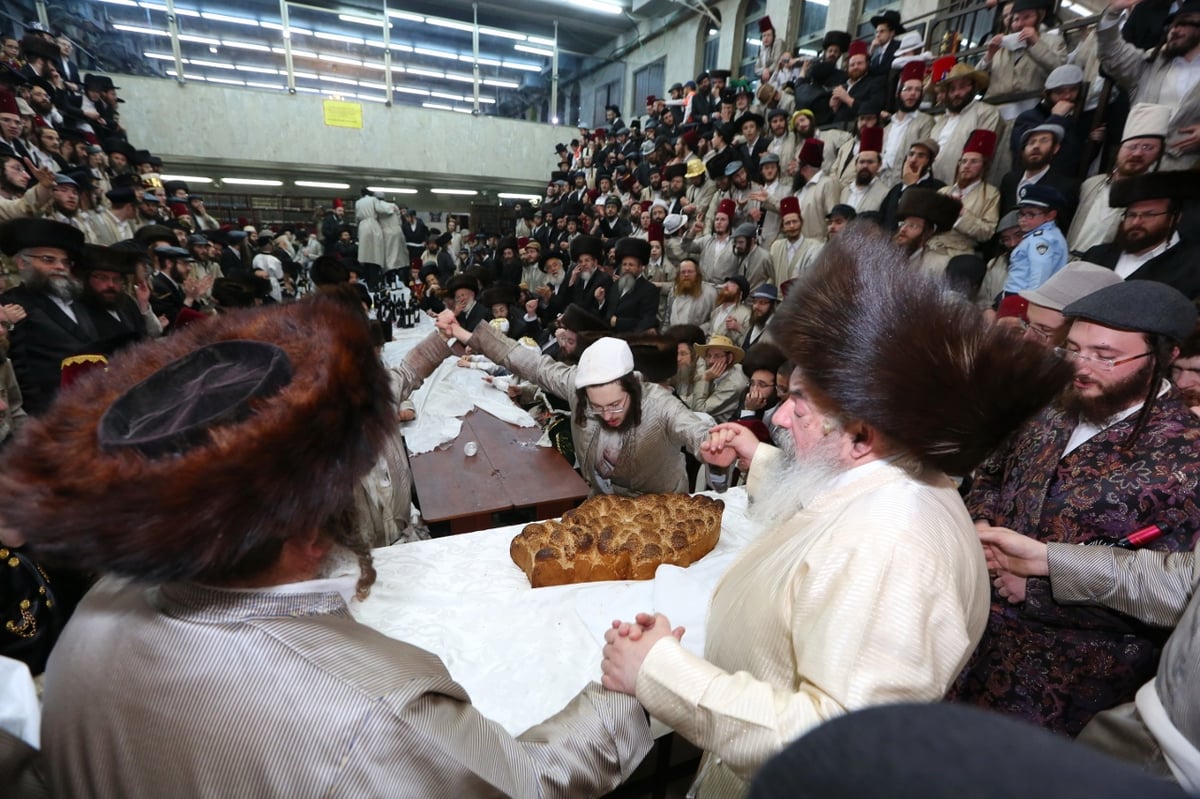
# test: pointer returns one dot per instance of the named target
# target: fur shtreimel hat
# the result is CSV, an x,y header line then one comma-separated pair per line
x,y
133,474
883,344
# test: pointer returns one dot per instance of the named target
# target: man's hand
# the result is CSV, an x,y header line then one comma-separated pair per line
x,y
729,442
994,45
1010,587
545,292
531,307
1063,108
141,293
406,415
733,324
12,313
1186,139
716,371
1030,36
626,646
1010,551
600,294
191,289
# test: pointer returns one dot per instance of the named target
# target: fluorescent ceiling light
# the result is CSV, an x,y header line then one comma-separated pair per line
x,y
410,90
337,59
305,75
460,78
259,70
520,37
186,12
366,84
343,81
392,189
436,53
226,81
317,184
450,23
337,37
461,111
187,178
404,48
260,48
226,18
393,13
463,192
251,182
374,65
187,37
502,84
506,195
524,48
272,86
595,5
374,23
542,40
159,56
483,62
120,3
140,29
425,73
302,53
196,62
443,95
486,100
519,65
153,6
308,90
371,98
437,106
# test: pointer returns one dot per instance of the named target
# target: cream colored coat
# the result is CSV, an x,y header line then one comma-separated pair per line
x,y
977,114
875,593
976,225
1095,221
817,201
801,258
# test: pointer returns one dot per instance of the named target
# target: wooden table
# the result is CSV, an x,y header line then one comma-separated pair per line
x,y
509,471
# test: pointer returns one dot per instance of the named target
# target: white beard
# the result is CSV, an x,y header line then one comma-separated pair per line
x,y
783,492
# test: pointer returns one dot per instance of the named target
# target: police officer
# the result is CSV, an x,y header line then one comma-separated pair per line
x,y
1043,250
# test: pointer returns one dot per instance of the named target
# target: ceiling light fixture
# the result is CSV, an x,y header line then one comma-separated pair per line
x,y
196,62
187,178
259,70
437,106
519,65
501,84
276,87
374,23
140,29
318,184
337,37
462,192
120,3
410,90
450,23
524,48
251,182
392,189
226,18
259,48
226,81
542,41
507,195
443,95
394,14
595,5
520,37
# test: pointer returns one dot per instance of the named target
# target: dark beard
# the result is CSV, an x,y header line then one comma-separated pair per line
x,y
1098,410
1146,242
863,178
760,320
956,106
106,301
1034,161
908,109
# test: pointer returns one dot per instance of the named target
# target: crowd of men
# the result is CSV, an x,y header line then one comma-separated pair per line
x,y
758,276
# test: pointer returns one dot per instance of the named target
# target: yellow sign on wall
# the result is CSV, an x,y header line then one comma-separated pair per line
x,y
340,114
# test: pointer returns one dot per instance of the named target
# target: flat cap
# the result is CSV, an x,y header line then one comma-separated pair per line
x,y
1143,305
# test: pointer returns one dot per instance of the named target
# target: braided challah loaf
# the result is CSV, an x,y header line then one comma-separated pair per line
x,y
618,538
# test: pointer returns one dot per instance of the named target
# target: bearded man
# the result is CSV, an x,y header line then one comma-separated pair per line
x,y
57,325
869,586
1119,451
231,406
119,318
690,298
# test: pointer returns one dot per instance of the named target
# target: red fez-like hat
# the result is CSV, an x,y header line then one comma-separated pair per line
x,y
8,104
600,133
522,242
813,152
982,141
727,207
858,47
655,232
789,205
941,67
913,70
870,140
650,98
764,24
337,203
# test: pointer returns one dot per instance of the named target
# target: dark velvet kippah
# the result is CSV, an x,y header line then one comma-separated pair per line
x,y
174,409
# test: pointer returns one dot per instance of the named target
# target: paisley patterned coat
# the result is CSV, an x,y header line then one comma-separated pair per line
x,y
1058,665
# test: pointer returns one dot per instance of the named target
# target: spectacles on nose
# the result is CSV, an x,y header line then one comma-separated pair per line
x,y
1138,216
52,260
1143,147
612,409
1105,364
1044,335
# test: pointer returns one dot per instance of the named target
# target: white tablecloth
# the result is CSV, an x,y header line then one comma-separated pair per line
x,y
448,395
523,653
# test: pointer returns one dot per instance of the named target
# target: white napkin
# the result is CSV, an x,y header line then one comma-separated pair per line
x,y
20,713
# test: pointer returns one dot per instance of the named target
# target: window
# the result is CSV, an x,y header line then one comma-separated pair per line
x,y
646,81
813,16
712,43
755,10
608,94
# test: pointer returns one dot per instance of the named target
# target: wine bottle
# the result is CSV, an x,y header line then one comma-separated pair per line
x,y
1135,540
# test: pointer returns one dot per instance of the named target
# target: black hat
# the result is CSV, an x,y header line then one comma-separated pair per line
x,y
33,45
121,146
842,210
578,320
230,293
461,282
654,356
584,244
24,233
675,171
614,108
750,116
172,186
631,247
1189,7
497,295
839,38
741,282
722,74
1032,5
549,255
1169,185
891,18
150,233
123,260
1143,305
939,209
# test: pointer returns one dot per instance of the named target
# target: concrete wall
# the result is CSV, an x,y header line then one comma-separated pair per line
x,y
231,126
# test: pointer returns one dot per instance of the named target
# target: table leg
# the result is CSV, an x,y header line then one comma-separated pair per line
x,y
470,524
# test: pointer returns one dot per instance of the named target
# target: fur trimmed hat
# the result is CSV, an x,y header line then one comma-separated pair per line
x,y
223,503
938,209
656,357
630,247
1168,185
584,244
889,346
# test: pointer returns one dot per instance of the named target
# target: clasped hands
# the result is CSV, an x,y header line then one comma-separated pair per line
x,y
1011,559
626,646
447,323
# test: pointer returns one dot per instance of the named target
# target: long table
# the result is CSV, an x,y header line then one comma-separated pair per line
x,y
522,653
508,471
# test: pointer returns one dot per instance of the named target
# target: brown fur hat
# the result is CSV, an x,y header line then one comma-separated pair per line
x,y
892,347
224,506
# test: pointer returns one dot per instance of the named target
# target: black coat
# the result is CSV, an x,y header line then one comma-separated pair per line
x,y
113,333
870,89
1176,267
881,60
40,342
472,318
584,294
635,310
1068,186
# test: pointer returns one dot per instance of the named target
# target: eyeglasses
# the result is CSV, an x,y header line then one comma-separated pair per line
x,y
1137,216
762,385
51,260
612,409
1143,147
1106,364
1044,335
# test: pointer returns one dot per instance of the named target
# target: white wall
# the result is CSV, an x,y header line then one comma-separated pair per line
x,y
234,125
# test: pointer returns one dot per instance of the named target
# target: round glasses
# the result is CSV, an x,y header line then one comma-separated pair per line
x,y
612,409
1105,364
